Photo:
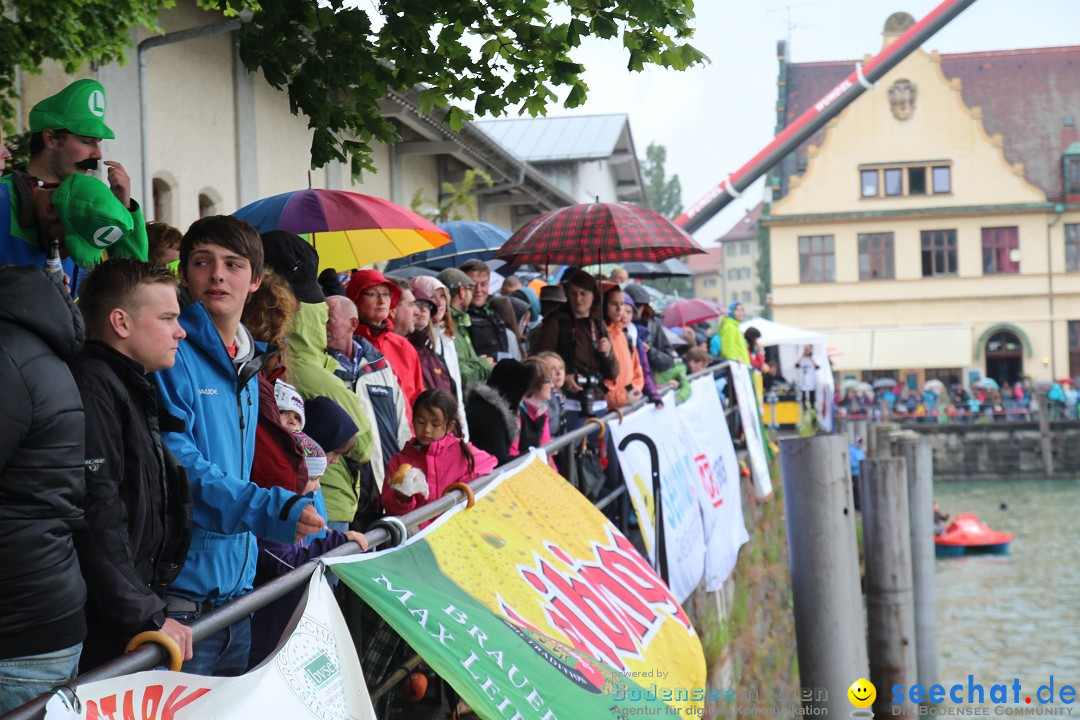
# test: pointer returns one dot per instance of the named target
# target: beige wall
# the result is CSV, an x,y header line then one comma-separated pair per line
x,y
419,173
283,143
965,306
714,293
747,284
501,215
371,183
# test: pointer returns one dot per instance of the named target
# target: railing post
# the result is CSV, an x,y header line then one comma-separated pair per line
x,y
824,561
889,602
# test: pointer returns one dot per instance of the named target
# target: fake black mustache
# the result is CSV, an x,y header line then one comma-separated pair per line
x,y
87,164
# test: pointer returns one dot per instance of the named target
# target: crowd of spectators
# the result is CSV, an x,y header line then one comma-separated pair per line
x,y
956,403
215,410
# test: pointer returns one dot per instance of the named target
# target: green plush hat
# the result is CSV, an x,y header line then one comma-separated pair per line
x,y
95,221
78,108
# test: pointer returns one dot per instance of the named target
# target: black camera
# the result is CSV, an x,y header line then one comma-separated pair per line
x,y
592,389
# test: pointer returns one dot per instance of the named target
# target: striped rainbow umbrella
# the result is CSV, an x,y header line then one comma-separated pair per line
x,y
349,230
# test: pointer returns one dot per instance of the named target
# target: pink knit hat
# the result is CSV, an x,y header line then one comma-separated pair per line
x,y
428,284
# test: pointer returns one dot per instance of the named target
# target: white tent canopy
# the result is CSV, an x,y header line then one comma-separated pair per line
x,y
791,341
774,333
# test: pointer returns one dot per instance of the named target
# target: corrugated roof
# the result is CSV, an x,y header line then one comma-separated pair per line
x,y
1024,94
548,139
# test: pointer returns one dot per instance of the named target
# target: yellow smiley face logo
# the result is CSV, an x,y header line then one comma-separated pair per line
x,y
862,693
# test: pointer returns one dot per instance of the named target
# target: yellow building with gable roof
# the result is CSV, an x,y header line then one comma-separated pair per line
x,y
932,229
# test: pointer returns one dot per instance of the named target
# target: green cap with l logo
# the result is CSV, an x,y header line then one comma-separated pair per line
x,y
95,222
78,108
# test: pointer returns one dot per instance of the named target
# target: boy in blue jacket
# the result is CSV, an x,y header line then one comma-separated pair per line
x,y
213,391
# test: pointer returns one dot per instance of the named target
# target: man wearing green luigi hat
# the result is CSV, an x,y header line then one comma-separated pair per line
x,y
94,221
66,131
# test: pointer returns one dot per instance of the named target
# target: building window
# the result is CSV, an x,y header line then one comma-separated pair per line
x,y
744,249
1001,250
816,261
1074,348
1072,175
206,206
894,181
734,297
869,183
732,274
916,180
938,253
1072,247
876,256
942,180
746,296
710,282
731,249
907,179
162,201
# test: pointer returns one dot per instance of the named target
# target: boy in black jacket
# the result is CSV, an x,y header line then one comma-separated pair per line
x,y
138,503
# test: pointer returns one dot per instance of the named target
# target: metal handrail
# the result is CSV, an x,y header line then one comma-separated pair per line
x,y
152,655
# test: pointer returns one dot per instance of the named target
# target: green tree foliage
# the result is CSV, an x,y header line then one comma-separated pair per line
x,y
338,60
495,55
764,267
661,194
71,33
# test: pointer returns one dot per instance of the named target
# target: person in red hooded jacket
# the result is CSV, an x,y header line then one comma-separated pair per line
x,y
375,297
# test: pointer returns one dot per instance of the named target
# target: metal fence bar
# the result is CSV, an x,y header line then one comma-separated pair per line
x,y
151,656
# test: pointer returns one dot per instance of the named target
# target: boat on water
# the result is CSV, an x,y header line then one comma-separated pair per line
x,y
967,535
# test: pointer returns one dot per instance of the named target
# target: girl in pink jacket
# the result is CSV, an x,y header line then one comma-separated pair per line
x,y
437,451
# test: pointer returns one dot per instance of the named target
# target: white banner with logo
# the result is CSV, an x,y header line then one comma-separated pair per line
x,y
751,425
650,430
315,674
702,418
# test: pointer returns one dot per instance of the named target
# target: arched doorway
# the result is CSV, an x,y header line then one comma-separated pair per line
x,y
1004,357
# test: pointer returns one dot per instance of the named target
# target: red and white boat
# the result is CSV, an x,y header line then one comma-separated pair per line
x,y
967,535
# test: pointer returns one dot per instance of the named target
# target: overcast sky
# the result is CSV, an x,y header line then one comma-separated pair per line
x,y
714,118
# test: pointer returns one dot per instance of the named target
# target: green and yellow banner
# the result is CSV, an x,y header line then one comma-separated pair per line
x,y
532,605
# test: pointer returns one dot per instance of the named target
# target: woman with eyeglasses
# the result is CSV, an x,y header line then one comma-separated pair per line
x,y
375,297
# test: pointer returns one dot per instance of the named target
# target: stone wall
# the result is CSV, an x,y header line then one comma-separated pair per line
x,y
747,630
1000,451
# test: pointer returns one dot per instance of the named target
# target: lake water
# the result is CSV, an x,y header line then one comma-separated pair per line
x,y
1016,615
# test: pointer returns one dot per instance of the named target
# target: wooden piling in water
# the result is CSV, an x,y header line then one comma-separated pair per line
x,y
919,459
889,598
824,562
1044,433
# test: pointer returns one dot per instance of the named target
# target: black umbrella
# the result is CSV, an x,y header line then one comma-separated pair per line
x,y
641,269
676,268
672,267
408,273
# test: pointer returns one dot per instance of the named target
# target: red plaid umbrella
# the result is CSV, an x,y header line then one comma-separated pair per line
x,y
594,233
690,311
